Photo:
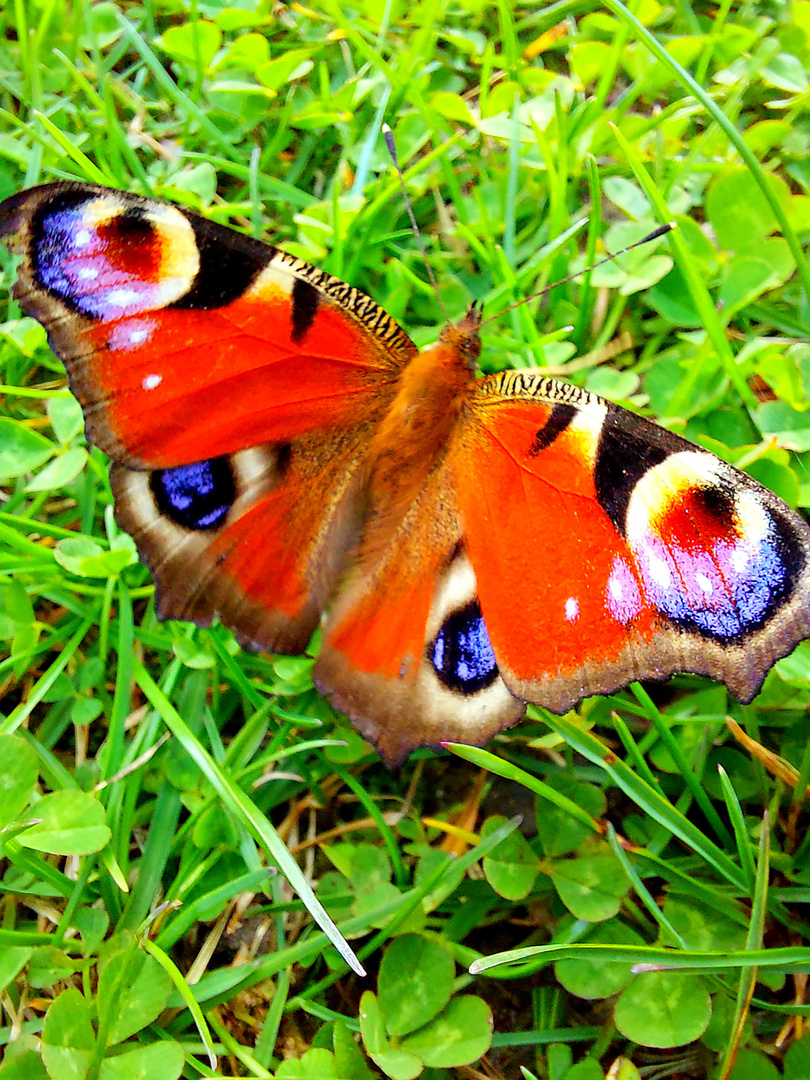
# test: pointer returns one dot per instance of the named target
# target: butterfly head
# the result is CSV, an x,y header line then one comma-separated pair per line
x,y
464,336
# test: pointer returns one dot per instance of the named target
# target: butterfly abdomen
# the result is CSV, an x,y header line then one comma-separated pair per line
x,y
413,438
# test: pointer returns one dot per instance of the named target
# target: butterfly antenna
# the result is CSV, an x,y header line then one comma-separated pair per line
x,y
388,135
654,235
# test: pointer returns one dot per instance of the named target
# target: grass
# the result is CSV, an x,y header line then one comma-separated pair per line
x,y
146,929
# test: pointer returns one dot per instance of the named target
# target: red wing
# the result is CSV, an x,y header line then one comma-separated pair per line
x,y
233,385
404,652
185,340
257,537
607,549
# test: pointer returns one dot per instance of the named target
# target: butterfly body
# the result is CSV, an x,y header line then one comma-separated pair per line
x,y
415,435
284,456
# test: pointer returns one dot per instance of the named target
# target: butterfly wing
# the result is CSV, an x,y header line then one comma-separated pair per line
x,y
233,385
563,548
607,549
405,653
184,340
257,537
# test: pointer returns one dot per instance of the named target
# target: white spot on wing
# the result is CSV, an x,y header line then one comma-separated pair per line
x,y
88,273
81,238
122,297
739,559
131,333
623,598
704,583
152,381
571,608
659,571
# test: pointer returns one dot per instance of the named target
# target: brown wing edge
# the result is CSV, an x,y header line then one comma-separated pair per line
x,y
418,708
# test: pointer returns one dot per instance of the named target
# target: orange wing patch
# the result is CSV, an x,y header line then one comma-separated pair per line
x,y
179,386
184,340
405,652
557,584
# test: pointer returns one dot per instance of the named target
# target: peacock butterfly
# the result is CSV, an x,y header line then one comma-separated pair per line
x,y
283,454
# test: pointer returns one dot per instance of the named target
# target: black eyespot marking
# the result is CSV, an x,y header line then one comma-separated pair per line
x,y
756,591
715,502
131,227
628,447
304,308
791,556
461,652
196,497
559,419
283,457
229,264
70,255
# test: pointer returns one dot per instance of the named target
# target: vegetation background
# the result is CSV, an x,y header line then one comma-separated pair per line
x,y
143,929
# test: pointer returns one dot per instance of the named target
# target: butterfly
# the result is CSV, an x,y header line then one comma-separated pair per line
x,y
285,457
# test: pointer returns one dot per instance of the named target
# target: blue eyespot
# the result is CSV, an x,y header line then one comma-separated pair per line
x,y
461,652
198,496
730,589
102,268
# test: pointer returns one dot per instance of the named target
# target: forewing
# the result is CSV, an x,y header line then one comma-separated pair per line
x,y
607,549
234,386
185,340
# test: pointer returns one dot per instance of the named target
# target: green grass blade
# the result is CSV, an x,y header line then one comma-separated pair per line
x,y
791,958
735,813
756,931
486,760
184,990
643,893
647,798
245,812
90,170
739,143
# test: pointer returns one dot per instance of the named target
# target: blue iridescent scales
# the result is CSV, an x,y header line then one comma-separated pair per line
x,y
725,589
74,263
284,457
198,496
